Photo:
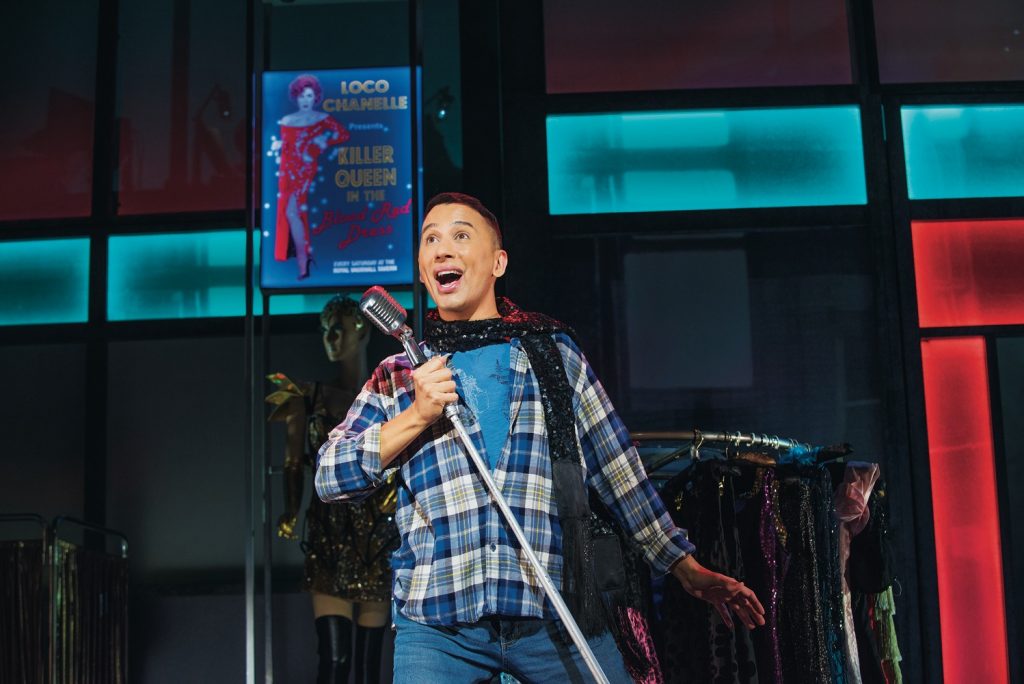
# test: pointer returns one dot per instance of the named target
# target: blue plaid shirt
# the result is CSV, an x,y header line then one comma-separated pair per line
x,y
457,562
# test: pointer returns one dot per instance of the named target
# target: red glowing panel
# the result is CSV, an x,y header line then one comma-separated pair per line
x,y
182,107
612,46
969,272
968,557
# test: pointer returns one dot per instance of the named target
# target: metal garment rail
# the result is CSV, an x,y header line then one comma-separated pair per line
x,y
751,439
698,438
64,605
88,603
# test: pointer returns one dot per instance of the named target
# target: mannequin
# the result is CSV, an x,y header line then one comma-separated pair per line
x,y
347,546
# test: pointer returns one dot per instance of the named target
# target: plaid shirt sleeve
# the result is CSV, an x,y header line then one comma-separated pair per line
x,y
614,468
348,465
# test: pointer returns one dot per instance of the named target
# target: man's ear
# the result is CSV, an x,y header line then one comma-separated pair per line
x,y
500,263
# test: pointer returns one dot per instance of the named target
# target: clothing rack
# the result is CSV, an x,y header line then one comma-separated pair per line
x,y
787,532
698,438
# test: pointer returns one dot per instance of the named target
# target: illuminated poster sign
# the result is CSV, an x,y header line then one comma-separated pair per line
x,y
336,179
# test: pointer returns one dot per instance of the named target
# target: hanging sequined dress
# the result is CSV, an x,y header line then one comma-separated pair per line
x,y
347,545
696,644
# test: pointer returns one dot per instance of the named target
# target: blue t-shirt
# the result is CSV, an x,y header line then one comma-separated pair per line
x,y
484,379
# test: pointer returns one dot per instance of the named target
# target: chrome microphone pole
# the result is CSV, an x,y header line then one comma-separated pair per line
x,y
389,316
452,413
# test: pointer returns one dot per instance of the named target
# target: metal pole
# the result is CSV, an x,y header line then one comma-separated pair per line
x,y
415,60
452,413
253,55
381,310
736,438
262,458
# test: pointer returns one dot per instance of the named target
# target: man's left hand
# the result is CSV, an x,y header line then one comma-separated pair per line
x,y
724,593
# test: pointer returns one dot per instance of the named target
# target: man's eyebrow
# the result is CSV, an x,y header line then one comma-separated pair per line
x,y
453,223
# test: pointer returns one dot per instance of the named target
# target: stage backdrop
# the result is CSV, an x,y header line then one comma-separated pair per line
x,y
337,176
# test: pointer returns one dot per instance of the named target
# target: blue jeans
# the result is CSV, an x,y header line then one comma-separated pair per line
x,y
529,649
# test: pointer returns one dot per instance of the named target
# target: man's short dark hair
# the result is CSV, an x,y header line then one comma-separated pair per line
x,y
468,201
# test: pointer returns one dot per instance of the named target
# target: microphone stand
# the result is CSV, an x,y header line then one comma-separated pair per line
x,y
451,412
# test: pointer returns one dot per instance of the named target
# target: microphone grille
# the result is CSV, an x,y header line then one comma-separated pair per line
x,y
382,310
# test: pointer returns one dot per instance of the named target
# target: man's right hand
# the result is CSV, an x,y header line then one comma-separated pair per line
x,y
434,387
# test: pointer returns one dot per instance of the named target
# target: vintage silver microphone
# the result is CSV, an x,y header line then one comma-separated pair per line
x,y
388,315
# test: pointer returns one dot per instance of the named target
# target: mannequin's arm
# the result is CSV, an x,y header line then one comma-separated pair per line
x,y
294,472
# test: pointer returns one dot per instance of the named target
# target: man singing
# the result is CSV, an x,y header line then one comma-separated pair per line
x,y
468,605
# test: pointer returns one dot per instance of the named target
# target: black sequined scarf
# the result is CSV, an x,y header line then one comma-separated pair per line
x,y
534,332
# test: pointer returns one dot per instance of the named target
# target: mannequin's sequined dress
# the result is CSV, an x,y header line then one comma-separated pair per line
x,y
347,545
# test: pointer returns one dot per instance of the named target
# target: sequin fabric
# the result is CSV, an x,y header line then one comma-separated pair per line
x,y
637,649
830,576
628,597
802,626
776,561
449,336
697,645
348,546
773,527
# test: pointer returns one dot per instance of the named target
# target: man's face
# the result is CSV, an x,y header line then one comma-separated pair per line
x,y
459,262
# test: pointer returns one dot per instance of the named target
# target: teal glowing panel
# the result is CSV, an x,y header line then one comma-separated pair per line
x,y
705,159
176,275
314,303
44,281
193,275
955,152
295,304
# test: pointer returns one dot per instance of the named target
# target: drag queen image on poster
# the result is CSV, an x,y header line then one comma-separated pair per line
x,y
305,134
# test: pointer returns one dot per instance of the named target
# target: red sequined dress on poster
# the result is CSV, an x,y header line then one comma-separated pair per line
x,y
300,151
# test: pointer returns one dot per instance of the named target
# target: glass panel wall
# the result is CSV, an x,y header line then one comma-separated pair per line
x,y
770,331
947,40
44,281
667,45
705,159
964,151
49,90
182,108
965,507
969,272
176,275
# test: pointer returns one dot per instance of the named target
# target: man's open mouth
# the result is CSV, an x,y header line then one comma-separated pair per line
x,y
448,280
